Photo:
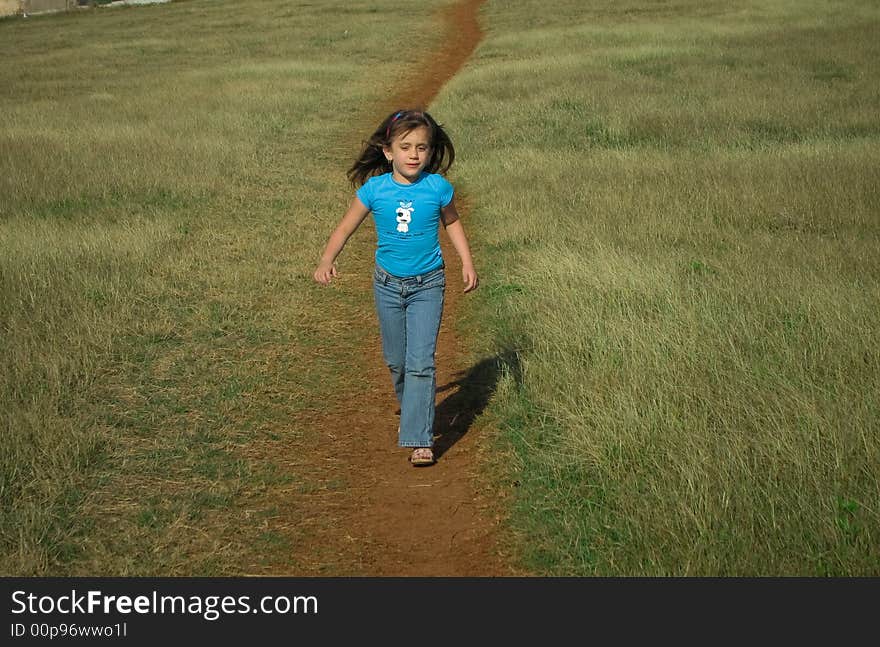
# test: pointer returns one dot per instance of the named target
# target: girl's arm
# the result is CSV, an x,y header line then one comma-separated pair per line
x,y
451,221
352,219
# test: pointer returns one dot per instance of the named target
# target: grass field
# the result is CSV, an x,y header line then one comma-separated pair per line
x,y
677,210
168,178
674,213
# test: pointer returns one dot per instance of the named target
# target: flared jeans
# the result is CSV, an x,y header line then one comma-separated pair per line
x,y
409,311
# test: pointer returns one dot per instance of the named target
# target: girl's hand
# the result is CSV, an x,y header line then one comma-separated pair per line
x,y
469,276
325,273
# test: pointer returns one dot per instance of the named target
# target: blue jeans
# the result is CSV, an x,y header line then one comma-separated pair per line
x,y
409,311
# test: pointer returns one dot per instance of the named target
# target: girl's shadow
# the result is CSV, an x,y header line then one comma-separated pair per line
x,y
471,392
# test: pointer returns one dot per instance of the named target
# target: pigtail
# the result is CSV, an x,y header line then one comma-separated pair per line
x,y
372,160
442,150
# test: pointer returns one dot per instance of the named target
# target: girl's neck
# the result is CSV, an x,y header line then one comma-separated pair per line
x,y
401,179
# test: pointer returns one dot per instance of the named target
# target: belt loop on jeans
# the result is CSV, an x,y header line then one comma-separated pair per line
x,y
419,279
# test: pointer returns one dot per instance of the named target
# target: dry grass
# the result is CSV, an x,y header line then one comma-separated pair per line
x,y
677,213
169,175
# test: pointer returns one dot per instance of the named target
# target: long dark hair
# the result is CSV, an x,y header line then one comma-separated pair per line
x,y
372,160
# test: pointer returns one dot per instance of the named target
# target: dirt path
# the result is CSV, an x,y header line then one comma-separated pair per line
x,y
390,519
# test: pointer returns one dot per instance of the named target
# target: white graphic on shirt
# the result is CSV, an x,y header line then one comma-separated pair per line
x,y
404,216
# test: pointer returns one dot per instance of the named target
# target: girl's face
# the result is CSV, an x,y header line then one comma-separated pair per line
x,y
408,154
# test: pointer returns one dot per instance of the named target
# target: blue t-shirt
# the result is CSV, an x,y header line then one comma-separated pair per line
x,y
407,218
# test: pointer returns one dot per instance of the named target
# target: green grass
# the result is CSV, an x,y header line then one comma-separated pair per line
x,y
675,218
168,177
677,215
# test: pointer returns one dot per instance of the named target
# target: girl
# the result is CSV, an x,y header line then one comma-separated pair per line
x,y
398,172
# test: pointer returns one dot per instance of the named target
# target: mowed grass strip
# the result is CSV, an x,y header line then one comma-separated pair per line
x,y
677,216
168,178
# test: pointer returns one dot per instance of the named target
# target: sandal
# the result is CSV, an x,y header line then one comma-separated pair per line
x,y
422,456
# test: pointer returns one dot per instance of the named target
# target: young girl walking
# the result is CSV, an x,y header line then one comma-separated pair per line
x,y
399,172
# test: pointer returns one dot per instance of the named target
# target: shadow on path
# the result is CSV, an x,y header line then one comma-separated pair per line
x,y
472,390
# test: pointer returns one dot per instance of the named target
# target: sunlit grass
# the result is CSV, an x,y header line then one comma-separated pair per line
x,y
677,213
168,176
675,217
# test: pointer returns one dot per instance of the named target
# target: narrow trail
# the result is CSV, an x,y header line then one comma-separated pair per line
x,y
391,519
